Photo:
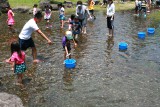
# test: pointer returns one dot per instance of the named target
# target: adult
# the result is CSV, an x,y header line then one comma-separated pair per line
x,y
110,16
25,39
81,13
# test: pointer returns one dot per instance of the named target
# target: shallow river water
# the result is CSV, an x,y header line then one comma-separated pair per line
x,y
103,77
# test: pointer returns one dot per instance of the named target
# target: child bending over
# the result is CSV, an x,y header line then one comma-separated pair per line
x,y
66,43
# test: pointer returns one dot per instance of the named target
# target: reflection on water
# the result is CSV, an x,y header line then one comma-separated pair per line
x,y
104,76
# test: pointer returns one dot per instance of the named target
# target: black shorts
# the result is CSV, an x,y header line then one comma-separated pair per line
x,y
91,11
68,48
25,44
110,22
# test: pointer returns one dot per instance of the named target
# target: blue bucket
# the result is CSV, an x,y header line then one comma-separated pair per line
x,y
150,30
123,46
141,35
70,63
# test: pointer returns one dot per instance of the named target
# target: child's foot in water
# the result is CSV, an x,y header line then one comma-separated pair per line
x,y
36,61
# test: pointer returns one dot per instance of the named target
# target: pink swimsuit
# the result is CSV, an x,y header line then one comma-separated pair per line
x,y
10,18
18,60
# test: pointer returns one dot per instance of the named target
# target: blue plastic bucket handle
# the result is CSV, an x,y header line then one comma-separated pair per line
x,y
151,30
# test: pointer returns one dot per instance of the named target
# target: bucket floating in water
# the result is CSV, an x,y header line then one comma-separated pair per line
x,y
70,63
141,35
150,30
123,46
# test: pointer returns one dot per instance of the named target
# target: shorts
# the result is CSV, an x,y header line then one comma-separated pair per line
x,y
25,44
110,22
19,68
68,48
144,9
47,17
61,17
91,12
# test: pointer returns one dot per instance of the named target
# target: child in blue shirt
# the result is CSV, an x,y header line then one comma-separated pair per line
x,y
76,27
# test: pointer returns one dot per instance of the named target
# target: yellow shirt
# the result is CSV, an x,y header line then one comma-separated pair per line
x,y
90,6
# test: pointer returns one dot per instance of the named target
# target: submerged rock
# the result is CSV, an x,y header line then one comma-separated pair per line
x,y
9,100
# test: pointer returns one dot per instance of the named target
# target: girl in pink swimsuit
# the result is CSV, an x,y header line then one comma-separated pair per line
x,y
17,61
10,21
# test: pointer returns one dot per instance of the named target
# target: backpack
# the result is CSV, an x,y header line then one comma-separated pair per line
x,y
81,12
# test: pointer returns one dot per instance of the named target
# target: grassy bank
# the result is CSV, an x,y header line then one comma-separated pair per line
x,y
154,18
30,3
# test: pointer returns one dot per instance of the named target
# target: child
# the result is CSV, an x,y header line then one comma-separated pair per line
x,y
47,15
66,43
10,21
91,3
61,14
25,36
17,61
70,21
143,7
76,27
35,9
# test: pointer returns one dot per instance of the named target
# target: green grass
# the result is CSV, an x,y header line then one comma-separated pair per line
x,y
28,3
154,18
119,7
74,1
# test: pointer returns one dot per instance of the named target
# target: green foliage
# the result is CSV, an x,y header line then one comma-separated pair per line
x,y
55,2
29,3
154,18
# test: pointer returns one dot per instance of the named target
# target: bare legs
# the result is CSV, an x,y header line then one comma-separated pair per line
x,y
111,32
34,54
19,78
62,23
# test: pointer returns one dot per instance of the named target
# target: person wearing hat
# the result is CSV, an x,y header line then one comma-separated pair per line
x,y
66,43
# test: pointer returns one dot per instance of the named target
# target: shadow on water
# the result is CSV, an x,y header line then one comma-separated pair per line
x,y
104,76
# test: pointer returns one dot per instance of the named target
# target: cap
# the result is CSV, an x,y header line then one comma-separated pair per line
x,y
69,35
